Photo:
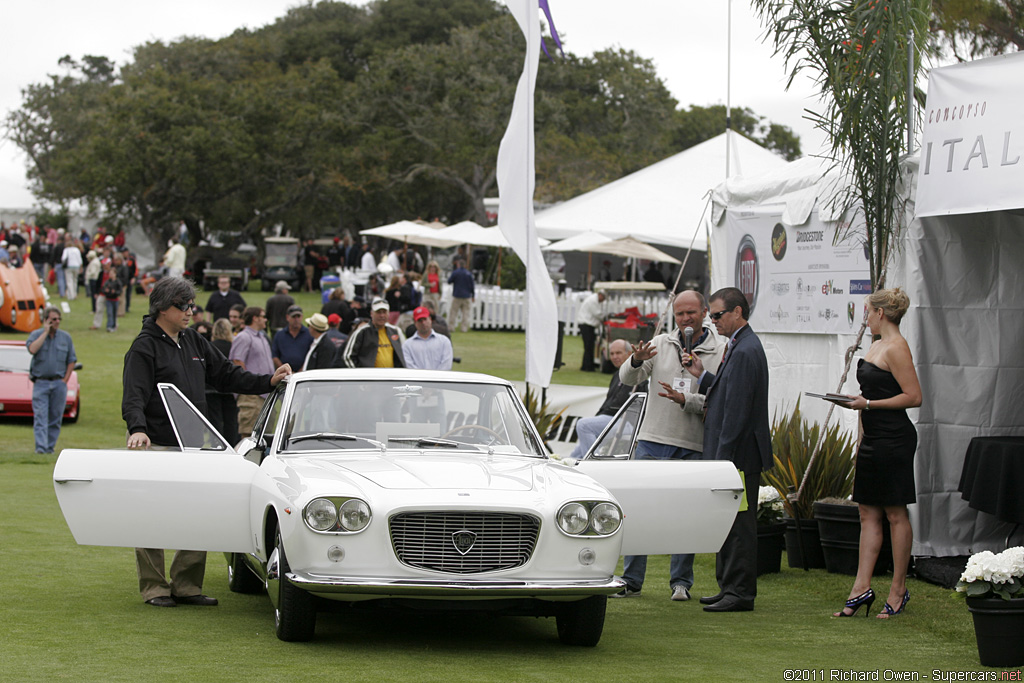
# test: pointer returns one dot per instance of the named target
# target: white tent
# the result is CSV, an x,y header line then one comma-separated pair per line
x,y
961,267
660,204
959,261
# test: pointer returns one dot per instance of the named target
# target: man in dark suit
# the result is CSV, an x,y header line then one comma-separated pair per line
x,y
736,429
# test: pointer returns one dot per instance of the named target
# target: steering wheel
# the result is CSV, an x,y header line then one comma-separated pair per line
x,y
460,428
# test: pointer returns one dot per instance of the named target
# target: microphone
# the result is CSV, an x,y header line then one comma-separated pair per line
x,y
688,339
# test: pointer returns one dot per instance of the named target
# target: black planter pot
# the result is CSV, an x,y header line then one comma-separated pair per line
x,y
999,630
839,531
803,551
771,539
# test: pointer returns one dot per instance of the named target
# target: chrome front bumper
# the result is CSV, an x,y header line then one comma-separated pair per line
x,y
469,590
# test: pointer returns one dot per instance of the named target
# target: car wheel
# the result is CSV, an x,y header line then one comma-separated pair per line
x,y
240,577
295,614
78,412
582,622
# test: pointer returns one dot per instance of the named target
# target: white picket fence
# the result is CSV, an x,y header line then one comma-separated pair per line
x,y
505,309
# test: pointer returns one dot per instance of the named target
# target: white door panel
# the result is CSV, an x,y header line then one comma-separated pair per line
x,y
671,506
156,499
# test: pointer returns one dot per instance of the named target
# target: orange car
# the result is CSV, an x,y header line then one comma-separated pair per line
x,y
22,297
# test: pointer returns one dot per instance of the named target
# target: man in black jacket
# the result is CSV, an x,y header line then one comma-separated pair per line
x,y
223,299
377,345
167,350
736,429
589,428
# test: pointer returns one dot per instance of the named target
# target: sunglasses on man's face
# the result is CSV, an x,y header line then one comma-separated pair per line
x,y
718,315
185,308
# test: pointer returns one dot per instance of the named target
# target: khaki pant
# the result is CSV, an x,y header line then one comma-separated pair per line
x,y
249,407
187,571
460,313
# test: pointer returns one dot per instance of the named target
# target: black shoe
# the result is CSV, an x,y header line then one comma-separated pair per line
x,y
626,592
730,605
711,599
162,601
197,600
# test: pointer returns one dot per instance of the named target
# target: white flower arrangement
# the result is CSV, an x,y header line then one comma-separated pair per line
x,y
769,505
988,574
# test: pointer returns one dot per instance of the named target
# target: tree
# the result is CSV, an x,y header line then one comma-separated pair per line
x,y
696,124
978,28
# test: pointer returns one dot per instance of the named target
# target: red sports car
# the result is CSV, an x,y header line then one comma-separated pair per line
x,y
16,387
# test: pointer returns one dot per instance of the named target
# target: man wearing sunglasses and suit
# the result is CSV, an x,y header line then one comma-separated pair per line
x,y
167,350
736,429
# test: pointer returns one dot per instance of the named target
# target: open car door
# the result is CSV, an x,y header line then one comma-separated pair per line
x,y
668,506
195,498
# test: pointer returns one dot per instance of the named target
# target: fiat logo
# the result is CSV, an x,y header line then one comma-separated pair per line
x,y
463,540
747,275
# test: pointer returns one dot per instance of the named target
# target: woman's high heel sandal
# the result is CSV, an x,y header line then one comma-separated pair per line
x,y
865,598
888,611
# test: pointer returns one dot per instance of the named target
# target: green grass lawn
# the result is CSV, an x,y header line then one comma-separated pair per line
x,y
72,612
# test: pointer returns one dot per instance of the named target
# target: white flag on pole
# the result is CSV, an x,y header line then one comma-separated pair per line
x,y
515,205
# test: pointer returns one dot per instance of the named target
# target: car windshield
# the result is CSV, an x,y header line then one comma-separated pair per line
x,y
14,359
280,254
390,415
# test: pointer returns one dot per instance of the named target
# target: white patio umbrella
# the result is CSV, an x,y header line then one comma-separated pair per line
x,y
411,233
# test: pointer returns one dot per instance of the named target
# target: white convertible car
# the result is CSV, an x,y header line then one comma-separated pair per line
x,y
400,487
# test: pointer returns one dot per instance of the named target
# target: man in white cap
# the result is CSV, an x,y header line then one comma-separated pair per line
x,y
5,256
427,350
377,345
319,356
278,305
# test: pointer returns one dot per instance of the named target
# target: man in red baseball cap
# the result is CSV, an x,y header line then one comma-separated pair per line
x,y
427,350
336,336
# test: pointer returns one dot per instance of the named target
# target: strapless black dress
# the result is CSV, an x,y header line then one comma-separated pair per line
x,y
885,460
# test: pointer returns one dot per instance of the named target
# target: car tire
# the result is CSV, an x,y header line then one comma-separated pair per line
x,y
295,615
582,622
241,578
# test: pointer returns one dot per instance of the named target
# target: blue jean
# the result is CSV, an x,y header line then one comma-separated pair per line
x,y
634,567
48,399
111,314
59,269
587,431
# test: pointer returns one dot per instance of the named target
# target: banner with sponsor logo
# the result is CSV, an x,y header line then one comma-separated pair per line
x,y
795,278
972,147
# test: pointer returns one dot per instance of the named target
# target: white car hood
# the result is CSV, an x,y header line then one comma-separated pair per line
x,y
422,471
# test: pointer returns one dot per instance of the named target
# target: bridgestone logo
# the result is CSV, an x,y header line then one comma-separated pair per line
x,y
810,236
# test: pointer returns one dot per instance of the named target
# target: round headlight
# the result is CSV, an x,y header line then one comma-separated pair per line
x,y
572,518
321,515
354,515
605,519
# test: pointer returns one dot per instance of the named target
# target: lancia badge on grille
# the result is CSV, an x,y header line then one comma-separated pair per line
x,y
463,540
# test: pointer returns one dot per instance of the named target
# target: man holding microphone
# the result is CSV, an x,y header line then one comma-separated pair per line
x,y
673,427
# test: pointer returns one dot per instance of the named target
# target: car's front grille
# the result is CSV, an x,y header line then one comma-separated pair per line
x,y
464,542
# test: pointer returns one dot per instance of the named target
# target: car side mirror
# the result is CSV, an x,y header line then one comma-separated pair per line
x,y
256,454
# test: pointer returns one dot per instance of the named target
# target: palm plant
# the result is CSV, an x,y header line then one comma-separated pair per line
x,y
829,475
547,422
857,51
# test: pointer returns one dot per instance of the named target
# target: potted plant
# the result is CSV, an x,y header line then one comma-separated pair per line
x,y
793,442
839,530
994,587
771,530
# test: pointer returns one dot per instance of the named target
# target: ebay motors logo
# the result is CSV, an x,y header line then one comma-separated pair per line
x,y
830,288
747,272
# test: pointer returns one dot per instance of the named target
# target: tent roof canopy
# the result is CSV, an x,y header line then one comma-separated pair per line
x,y
660,204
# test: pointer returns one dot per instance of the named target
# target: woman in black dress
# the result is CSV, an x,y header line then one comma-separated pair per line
x,y
884,479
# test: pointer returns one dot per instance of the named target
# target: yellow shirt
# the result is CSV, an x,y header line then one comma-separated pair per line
x,y
385,351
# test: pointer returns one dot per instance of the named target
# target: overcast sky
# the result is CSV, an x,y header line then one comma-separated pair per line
x,y
686,41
